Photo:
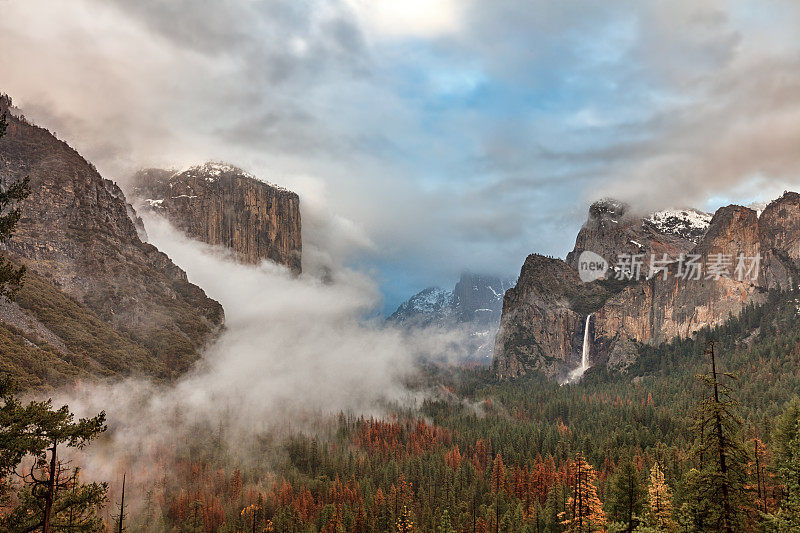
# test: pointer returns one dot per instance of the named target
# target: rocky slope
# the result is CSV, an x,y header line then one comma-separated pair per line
x,y
83,241
544,315
472,310
613,229
221,204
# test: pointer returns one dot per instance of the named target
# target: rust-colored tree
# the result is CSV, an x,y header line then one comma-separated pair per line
x,y
584,510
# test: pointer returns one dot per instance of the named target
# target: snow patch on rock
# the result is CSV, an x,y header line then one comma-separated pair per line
x,y
690,224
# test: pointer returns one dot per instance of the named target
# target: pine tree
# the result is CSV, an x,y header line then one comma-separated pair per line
x,y
120,519
360,518
720,488
253,515
625,495
499,485
659,501
51,496
445,525
758,470
555,507
584,510
786,429
498,476
788,516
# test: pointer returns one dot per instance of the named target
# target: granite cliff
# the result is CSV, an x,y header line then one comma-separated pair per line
x,y
544,316
612,229
82,243
220,204
471,310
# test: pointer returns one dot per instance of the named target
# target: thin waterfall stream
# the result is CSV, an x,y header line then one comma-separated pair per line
x,y
577,373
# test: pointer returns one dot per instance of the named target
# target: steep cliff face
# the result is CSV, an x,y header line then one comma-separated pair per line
x,y
78,232
539,330
548,338
657,310
779,233
222,205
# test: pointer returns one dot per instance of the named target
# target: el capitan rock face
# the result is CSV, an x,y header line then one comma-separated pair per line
x,y
77,230
220,204
544,316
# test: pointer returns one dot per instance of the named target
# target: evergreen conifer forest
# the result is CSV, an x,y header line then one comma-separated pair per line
x,y
640,451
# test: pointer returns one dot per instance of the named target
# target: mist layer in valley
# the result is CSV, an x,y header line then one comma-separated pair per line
x,y
295,351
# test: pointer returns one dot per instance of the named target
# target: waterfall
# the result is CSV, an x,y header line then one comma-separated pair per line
x,y
577,373
586,347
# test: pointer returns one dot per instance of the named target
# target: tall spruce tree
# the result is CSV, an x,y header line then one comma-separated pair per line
x,y
445,525
659,496
625,498
555,508
787,441
720,486
584,511
784,433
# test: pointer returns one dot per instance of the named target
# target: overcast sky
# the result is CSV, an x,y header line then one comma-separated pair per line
x,y
426,137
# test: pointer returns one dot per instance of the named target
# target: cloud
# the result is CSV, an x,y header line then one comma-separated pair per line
x,y
422,18
294,353
450,135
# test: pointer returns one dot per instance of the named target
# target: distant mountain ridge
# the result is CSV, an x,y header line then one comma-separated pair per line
x,y
429,306
472,308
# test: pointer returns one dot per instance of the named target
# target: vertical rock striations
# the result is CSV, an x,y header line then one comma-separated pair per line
x,y
220,204
779,233
541,323
539,329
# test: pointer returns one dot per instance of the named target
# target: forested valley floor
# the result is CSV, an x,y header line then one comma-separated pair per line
x,y
672,444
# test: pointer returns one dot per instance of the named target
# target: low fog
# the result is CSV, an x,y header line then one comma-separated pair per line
x,y
290,343
295,350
